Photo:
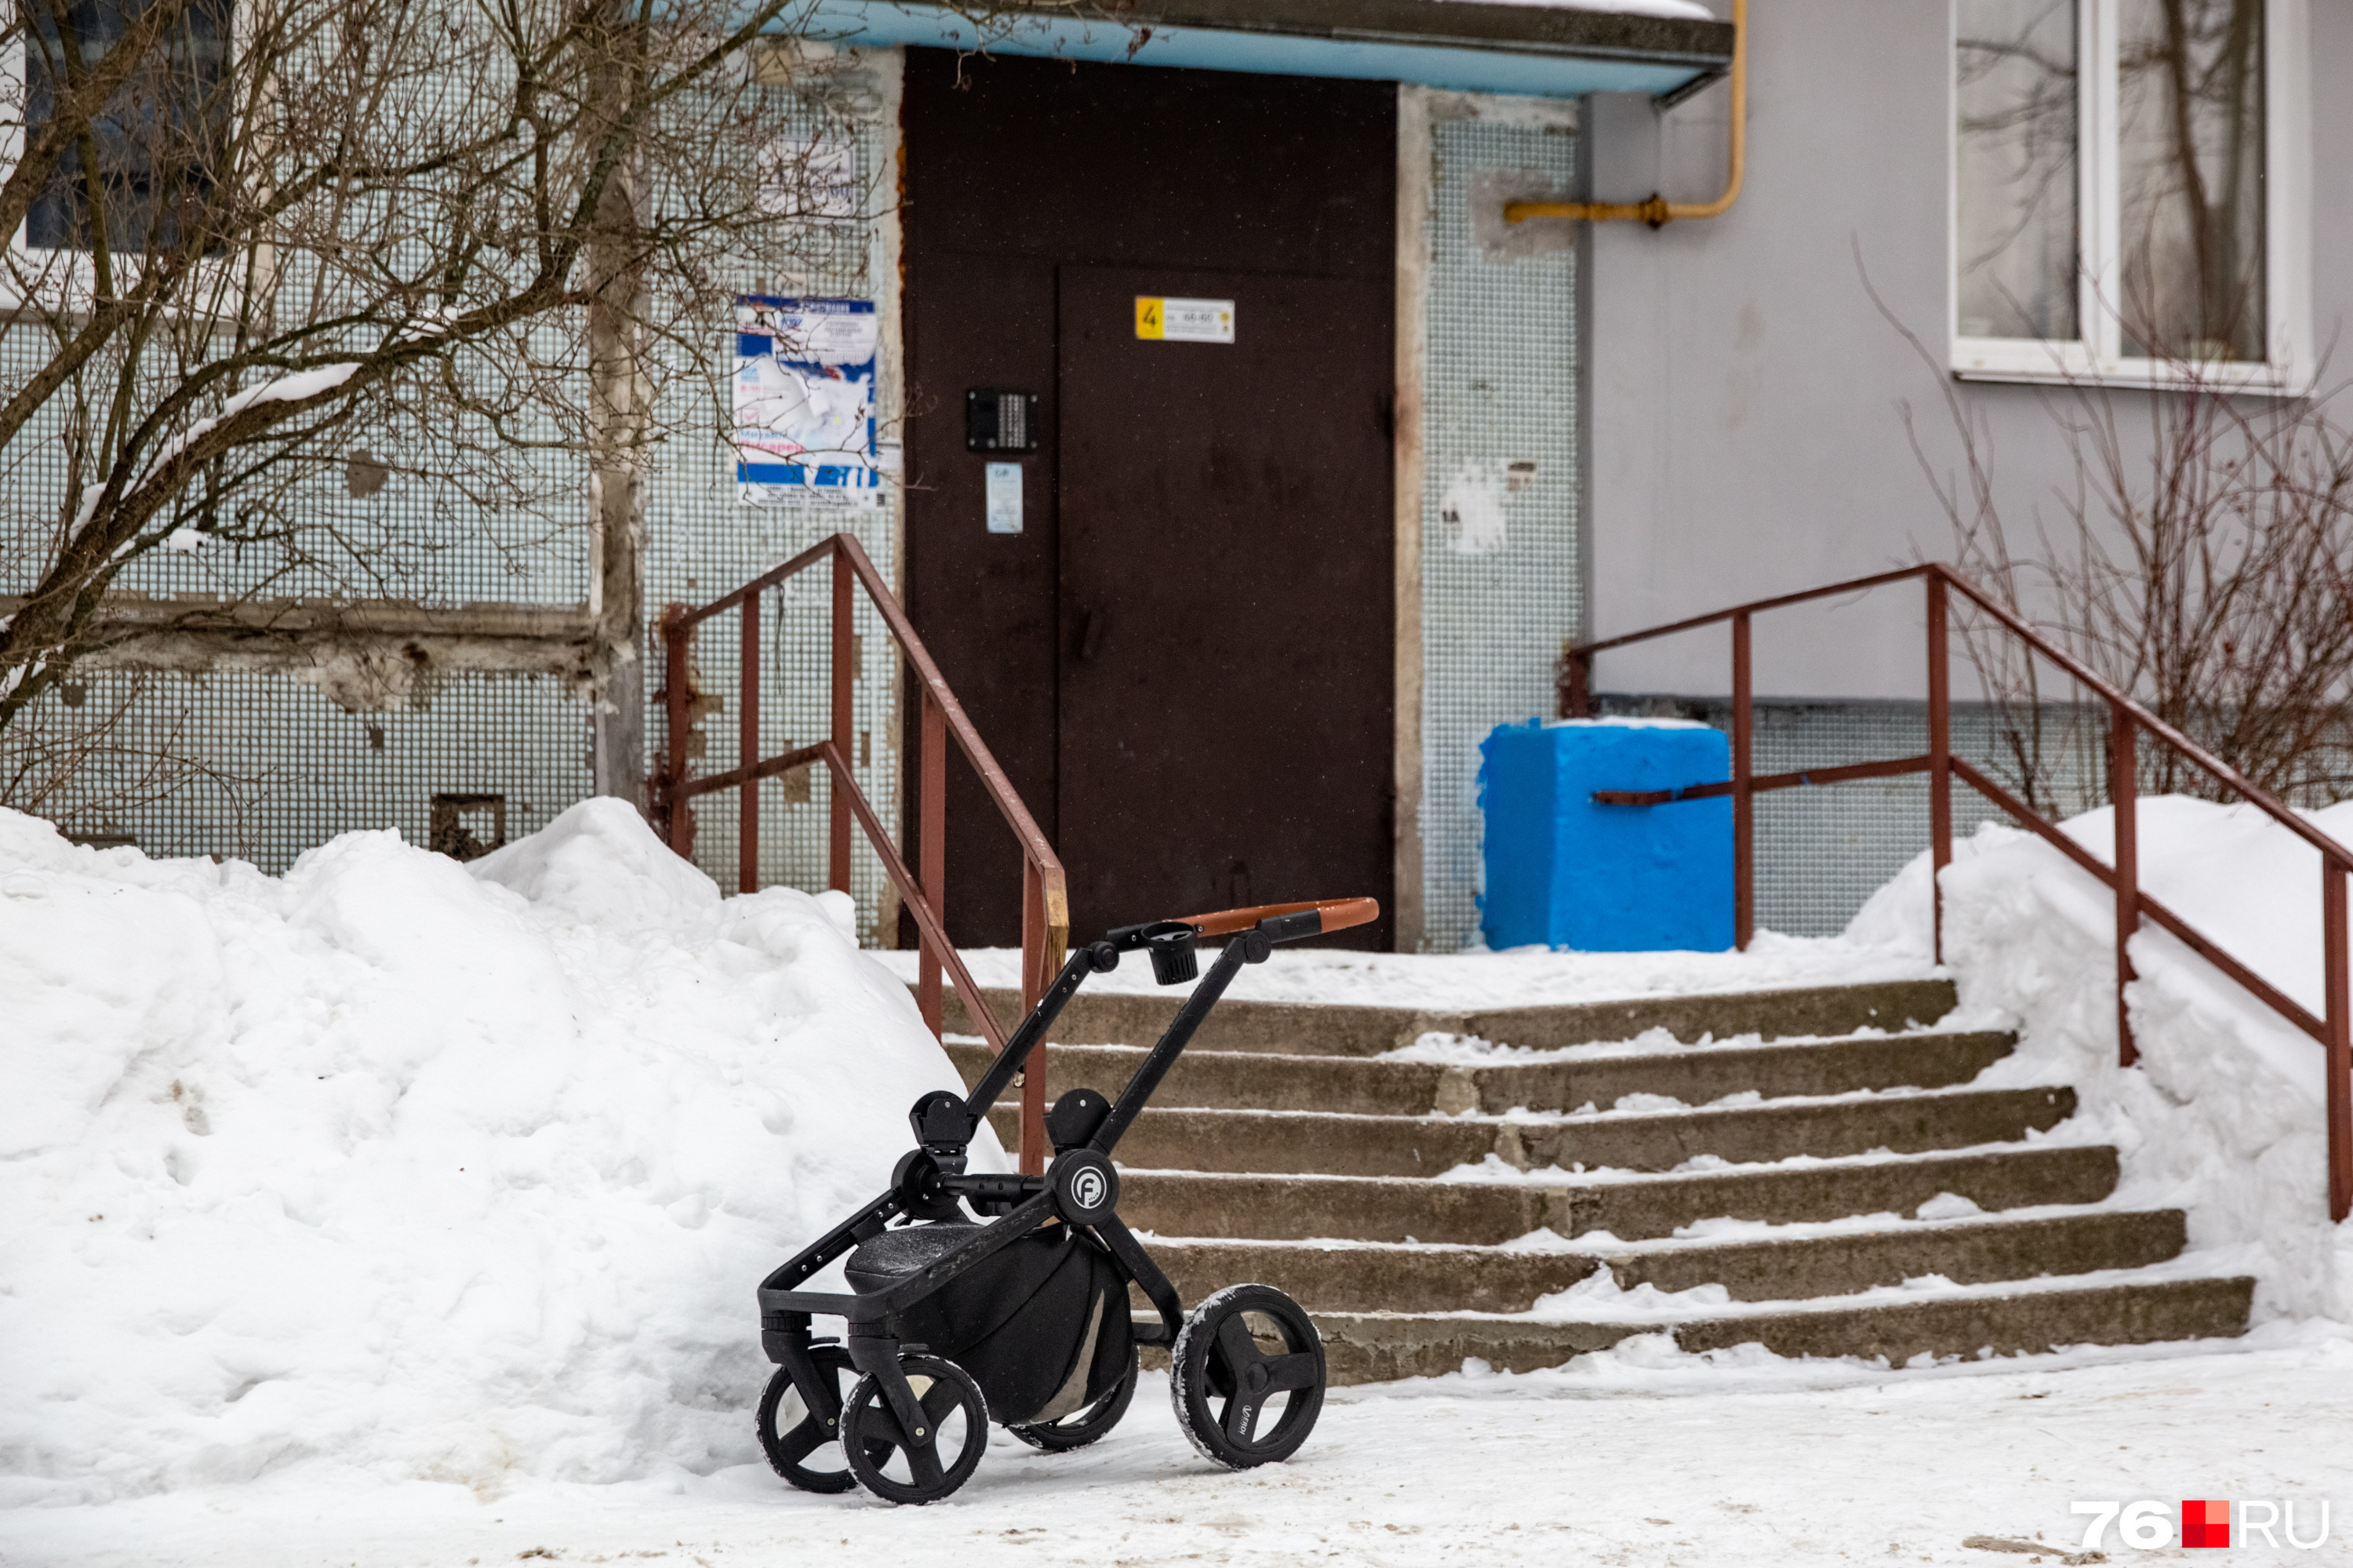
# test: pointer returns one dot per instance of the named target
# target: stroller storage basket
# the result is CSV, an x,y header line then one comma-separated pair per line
x,y
1043,1326
1025,1319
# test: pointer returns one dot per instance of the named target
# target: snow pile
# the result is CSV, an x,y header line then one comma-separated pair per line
x,y
2225,1116
443,1172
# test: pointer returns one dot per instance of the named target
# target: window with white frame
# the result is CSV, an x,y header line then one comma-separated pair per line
x,y
2129,184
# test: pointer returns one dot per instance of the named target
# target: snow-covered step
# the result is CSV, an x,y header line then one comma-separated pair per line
x,y
2000,1320
1488,1212
1775,1069
1113,1018
1390,1086
1290,1142
1806,1170
1237,1079
1820,1261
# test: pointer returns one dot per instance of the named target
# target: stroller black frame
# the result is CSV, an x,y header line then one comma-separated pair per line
x,y
1079,1189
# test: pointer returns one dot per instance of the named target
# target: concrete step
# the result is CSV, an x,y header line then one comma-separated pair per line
x,y
1317,1029
1264,1081
1925,1061
1485,1213
1373,1278
1291,1143
1374,1346
1287,1147
1237,1079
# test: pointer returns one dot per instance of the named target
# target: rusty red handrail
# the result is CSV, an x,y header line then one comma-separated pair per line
x,y
2127,720
1045,902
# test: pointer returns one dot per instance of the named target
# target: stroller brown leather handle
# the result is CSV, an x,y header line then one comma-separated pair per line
x,y
1338,914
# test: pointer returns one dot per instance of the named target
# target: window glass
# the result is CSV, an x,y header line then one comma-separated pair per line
x,y
2191,178
2015,78
154,142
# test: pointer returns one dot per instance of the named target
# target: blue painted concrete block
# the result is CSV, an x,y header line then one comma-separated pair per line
x,y
1565,873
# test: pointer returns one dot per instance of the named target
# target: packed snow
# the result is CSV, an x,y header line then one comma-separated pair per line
x,y
2224,1116
1637,1455
423,1172
1521,977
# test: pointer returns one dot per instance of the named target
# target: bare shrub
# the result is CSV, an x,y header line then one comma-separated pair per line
x,y
2197,551
93,758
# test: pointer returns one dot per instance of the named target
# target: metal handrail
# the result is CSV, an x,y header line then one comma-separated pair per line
x,y
1045,898
2127,719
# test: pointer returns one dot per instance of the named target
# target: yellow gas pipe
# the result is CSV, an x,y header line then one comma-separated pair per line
x,y
1657,211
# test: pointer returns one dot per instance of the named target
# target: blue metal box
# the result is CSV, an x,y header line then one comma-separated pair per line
x,y
1563,872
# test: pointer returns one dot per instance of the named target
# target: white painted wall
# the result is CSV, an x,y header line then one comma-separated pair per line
x,y
1745,433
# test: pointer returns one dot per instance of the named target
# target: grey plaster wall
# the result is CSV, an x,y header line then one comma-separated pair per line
x,y
1745,434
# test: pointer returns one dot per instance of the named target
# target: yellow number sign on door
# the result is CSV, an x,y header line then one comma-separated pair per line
x,y
1147,316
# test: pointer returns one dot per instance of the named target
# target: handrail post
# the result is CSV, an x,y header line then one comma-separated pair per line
x,y
1575,685
837,837
2339,1053
747,727
1033,1074
681,825
2124,791
1743,838
673,784
932,825
1037,964
1940,760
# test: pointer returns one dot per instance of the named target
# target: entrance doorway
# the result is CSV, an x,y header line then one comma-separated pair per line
x,y
1184,659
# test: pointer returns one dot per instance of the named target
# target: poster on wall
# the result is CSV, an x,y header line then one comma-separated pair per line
x,y
805,401
815,179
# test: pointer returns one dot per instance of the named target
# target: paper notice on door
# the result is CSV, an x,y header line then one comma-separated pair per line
x,y
1005,498
1184,321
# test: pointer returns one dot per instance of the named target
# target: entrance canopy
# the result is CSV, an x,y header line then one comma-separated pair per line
x,y
1534,50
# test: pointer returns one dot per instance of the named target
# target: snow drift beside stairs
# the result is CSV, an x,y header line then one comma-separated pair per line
x,y
450,1172
2225,1114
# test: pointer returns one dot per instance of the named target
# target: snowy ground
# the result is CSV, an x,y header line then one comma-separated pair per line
x,y
1634,1459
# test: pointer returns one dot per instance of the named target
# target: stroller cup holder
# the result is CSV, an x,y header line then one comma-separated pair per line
x,y
1170,943
1023,1319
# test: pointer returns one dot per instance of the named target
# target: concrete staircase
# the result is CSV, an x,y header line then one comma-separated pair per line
x,y
1286,1148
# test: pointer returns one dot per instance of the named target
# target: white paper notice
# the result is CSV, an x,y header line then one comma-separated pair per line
x,y
1184,321
805,399
815,177
1005,498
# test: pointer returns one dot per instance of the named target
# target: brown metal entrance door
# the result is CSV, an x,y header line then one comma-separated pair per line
x,y
1226,664
1184,658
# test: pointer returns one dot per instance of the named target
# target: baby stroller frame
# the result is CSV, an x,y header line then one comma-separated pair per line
x,y
886,1423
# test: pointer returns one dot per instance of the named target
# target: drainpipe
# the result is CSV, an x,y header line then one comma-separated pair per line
x,y
1658,212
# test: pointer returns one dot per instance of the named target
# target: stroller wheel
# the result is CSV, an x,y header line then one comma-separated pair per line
x,y
1247,1376
926,1466
1083,1425
800,1447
